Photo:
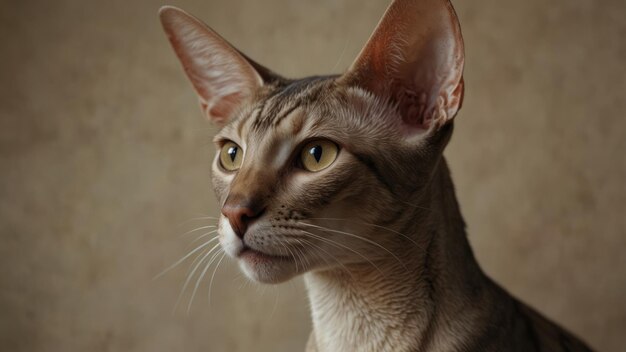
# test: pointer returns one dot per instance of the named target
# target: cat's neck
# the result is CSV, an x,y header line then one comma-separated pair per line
x,y
403,303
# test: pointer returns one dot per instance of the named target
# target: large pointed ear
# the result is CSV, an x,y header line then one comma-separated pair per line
x,y
415,59
221,75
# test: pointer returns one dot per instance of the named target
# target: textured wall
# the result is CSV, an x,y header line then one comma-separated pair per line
x,y
103,153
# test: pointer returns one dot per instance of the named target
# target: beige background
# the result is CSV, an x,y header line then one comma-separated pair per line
x,y
104,154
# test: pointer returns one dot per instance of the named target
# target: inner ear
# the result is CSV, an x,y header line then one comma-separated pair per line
x,y
415,59
222,76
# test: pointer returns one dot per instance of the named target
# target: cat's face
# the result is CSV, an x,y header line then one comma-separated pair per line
x,y
317,173
302,171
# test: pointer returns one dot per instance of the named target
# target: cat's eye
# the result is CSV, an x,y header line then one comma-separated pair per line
x,y
318,155
231,156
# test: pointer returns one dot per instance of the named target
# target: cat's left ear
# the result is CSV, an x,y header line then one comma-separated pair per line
x,y
415,59
222,76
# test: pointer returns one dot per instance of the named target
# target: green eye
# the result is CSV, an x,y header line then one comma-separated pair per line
x,y
318,155
231,156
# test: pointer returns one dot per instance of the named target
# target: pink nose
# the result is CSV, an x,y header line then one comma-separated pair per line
x,y
241,212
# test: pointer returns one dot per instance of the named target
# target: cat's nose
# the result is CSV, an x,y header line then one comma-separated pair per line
x,y
240,212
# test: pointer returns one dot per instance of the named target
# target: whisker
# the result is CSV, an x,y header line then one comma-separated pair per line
x,y
207,266
197,229
183,259
295,259
304,258
333,243
195,260
213,276
357,237
373,225
190,275
303,242
197,219
204,235
328,254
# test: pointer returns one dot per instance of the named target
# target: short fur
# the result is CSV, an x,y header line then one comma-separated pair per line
x,y
378,234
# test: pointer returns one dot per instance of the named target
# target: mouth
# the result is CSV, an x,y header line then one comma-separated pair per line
x,y
257,257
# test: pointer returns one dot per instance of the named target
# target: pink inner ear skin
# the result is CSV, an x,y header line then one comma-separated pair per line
x,y
413,108
415,58
222,76
224,107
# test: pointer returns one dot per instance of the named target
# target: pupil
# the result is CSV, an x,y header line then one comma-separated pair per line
x,y
316,152
232,152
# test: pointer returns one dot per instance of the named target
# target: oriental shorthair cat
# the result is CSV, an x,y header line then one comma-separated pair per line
x,y
341,179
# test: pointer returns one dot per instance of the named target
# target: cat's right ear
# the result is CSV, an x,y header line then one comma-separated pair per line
x,y
220,74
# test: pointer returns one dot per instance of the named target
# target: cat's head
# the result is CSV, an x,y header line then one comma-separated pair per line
x,y
316,173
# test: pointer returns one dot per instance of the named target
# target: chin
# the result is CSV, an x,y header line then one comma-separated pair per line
x,y
265,269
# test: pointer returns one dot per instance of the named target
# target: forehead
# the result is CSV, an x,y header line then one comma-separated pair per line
x,y
282,101
285,108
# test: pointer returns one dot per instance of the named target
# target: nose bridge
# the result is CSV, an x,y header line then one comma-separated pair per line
x,y
255,177
252,183
248,198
